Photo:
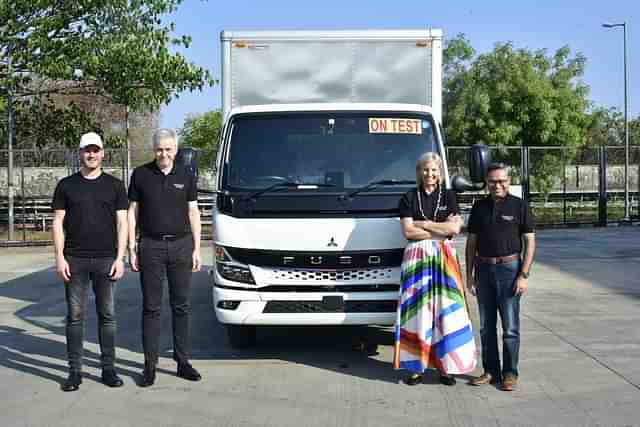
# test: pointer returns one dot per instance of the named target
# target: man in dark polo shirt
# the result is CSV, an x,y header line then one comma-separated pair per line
x,y
499,254
164,207
90,238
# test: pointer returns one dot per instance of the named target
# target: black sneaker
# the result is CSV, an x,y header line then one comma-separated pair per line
x,y
73,382
110,378
148,376
413,379
188,372
447,379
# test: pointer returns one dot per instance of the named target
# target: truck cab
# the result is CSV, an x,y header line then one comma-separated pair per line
x,y
320,141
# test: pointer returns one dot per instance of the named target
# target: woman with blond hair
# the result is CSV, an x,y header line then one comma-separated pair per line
x,y
433,330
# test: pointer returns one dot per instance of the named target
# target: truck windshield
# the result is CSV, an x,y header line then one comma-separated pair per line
x,y
343,149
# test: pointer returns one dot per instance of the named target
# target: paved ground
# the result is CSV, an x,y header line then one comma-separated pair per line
x,y
579,364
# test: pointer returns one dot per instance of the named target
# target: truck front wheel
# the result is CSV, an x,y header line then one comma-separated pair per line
x,y
241,336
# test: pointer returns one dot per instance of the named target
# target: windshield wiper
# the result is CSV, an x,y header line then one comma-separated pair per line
x,y
374,184
287,184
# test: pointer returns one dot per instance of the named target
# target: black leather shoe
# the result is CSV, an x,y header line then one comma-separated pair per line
x,y
148,376
188,372
111,379
73,382
447,379
413,379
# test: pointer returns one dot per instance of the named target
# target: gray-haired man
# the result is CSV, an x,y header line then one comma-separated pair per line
x,y
164,206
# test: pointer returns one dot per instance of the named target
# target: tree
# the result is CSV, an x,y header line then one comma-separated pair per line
x,y
512,97
118,49
202,131
607,128
516,97
44,125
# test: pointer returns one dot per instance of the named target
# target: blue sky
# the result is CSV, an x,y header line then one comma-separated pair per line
x,y
529,24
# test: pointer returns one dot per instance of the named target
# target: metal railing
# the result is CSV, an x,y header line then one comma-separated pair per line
x,y
36,174
564,186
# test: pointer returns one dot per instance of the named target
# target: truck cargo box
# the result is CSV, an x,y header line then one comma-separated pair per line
x,y
374,66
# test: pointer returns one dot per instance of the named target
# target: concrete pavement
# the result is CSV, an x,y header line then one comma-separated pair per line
x,y
579,356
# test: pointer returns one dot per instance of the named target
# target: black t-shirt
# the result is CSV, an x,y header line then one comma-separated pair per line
x,y
163,200
90,220
410,208
500,226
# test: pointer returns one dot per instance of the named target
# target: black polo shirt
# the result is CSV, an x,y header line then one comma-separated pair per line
x,y
499,226
409,207
163,200
90,220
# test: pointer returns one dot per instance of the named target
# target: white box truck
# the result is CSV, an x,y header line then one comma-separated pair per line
x,y
321,133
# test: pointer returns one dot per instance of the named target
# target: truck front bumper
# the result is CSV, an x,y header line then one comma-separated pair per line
x,y
304,308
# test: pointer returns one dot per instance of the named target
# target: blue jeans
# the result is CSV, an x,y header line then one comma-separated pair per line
x,y
496,295
96,271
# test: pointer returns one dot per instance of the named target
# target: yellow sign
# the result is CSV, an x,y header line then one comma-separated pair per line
x,y
382,125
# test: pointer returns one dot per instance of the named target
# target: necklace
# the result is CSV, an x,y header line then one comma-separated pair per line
x,y
435,211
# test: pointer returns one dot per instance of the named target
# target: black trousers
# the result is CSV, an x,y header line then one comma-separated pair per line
x,y
171,259
96,271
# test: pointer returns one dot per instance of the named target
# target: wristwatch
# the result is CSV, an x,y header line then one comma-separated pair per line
x,y
524,274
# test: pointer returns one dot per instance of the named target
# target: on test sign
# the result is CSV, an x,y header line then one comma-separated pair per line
x,y
395,125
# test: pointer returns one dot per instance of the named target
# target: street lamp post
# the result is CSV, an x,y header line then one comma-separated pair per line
x,y
10,141
627,216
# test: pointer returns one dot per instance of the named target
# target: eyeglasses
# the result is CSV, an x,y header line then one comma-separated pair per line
x,y
498,181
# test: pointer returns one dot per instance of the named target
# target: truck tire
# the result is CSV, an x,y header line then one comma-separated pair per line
x,y
241,336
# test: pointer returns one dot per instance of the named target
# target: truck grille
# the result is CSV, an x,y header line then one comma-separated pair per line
x,y
344,276
320,307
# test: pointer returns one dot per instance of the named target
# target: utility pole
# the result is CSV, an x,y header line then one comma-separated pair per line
x,y
127,167
627,205
10,132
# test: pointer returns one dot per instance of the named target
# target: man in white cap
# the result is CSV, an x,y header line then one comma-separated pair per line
x,y
90,238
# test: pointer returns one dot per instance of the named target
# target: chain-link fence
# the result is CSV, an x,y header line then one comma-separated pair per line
x,y
35,174
565,186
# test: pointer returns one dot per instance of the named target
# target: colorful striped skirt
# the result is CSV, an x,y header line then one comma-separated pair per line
x,y
433,330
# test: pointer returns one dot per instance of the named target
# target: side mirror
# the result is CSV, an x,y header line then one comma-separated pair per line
x,y
187,160
460,184
479,159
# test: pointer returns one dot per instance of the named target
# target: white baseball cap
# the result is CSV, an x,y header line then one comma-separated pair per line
x,y
90,139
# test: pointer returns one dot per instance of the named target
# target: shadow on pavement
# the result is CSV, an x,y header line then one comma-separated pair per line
x,y
38,306
606,257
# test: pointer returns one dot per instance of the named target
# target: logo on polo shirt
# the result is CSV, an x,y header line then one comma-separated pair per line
x,y
179,186
507,217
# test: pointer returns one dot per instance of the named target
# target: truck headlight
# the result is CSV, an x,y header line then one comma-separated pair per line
x,y
230,269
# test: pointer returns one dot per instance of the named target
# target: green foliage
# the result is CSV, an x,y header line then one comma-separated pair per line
x,y
45,125
547,172
202,131
513,97
121,49
607,128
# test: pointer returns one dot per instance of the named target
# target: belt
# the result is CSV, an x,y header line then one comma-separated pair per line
x,y
164,237
498,259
